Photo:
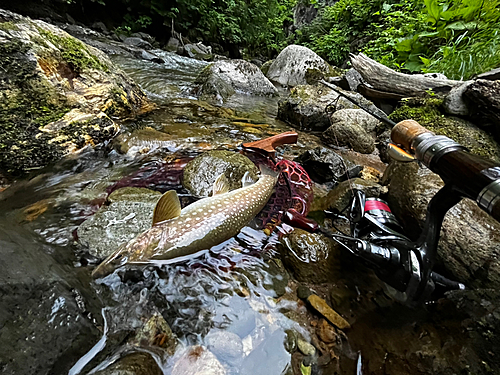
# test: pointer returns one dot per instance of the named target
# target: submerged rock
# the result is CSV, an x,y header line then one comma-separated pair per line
x,y
295,63
201,172
58,96
223,78
130,213
310,107
320,305
227,346
311,258
469,245
197,360
354,128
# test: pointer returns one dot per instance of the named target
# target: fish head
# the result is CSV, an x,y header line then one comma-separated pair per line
x,y
108,266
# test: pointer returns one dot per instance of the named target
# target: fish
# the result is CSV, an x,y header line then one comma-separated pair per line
x,y
176,233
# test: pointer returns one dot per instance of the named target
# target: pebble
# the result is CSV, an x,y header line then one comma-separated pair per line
x,y
320,305
306,348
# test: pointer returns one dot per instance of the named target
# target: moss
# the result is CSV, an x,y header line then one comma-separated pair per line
x,y
26,103
8,26
74,52
427,112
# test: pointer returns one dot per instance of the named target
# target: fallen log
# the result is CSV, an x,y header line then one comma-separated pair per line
x,y
385,79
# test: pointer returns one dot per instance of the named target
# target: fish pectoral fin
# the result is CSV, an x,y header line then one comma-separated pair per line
x,y
247,180
167,207
221,185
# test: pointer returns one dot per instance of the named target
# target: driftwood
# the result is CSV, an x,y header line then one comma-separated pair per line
x,y
385,79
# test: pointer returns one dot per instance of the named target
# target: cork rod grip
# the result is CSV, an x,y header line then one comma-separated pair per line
x,y
406,131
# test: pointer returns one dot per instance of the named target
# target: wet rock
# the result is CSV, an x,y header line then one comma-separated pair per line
x,y
130,213
133,364
454,103
470,239
223,78
197,360
320,305
303,292
485,98
46,313
145,36
99,26
339,198
201,172
138,43
353,128
326,332
309,107
226,346
151,57
293,63
198,51
324,165
59,96
156,333
310,257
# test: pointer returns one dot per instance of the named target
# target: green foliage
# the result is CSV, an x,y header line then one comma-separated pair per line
x,y
459,38
256,25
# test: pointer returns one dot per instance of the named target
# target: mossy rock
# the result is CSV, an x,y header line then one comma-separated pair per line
x,y
50,81
427,112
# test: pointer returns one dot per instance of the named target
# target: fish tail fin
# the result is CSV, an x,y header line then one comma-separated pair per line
x,y
266,171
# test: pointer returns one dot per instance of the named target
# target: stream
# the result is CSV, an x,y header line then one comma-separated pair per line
x,y
231,299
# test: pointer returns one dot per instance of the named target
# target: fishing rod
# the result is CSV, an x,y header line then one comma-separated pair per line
x,y
379,117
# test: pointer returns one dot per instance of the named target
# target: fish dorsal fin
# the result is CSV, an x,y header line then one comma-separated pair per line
x,y
247,180
167,207
221,185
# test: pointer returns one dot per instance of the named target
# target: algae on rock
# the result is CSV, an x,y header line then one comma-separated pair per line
x,y
56,94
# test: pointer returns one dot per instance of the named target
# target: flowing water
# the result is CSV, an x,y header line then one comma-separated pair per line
x,y
232,293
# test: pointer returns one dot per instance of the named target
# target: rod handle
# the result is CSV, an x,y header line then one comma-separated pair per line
x,y
406,131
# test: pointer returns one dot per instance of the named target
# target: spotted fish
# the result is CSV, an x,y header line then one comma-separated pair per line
x,y
208,222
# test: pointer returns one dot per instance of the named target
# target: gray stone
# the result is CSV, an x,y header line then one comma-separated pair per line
x,y
198,51
292,65
145,36
309,107
227,346
354,128
100,26
197,360
311,258
306,348
324,165
222,78
454,103
145,55
138,43
130,213
470,239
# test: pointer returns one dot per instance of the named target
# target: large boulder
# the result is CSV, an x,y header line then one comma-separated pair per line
x,y
309,107
58,94
201,172
469,246
225,77
354,128
295,63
